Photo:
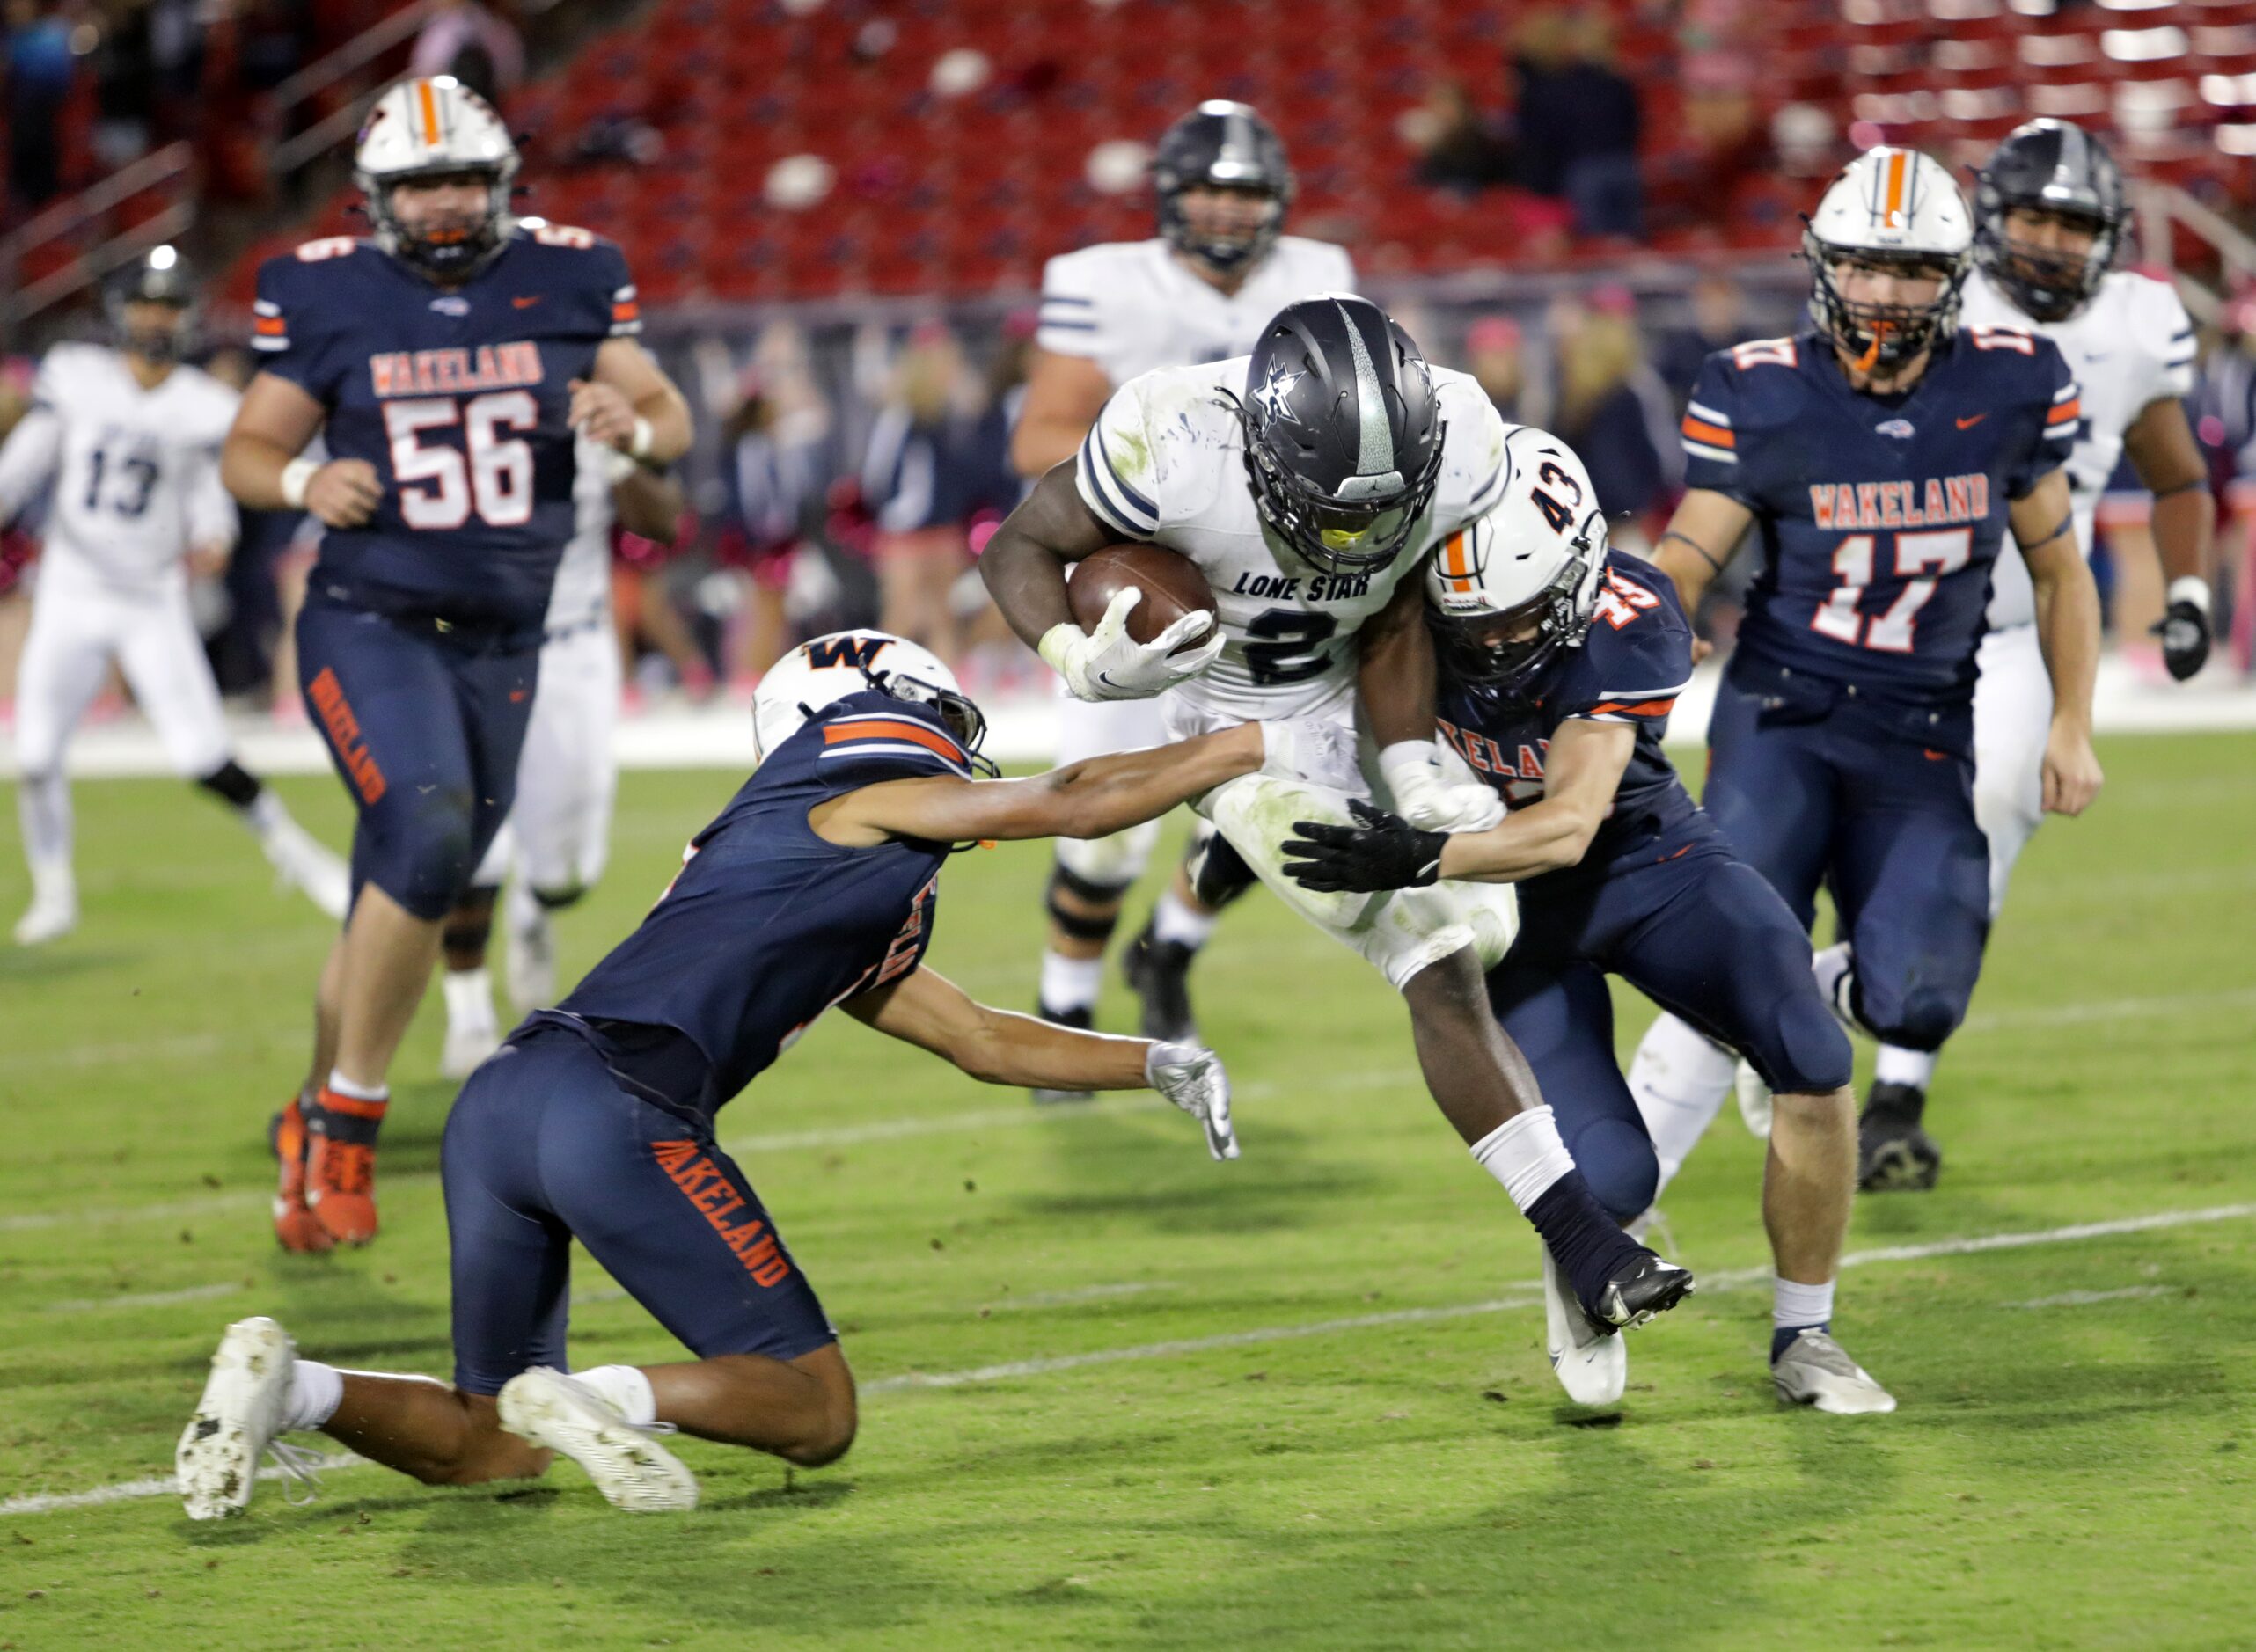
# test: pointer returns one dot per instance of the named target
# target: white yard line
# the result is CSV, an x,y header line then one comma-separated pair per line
x,y
1731,1279
148,1298
2086,1298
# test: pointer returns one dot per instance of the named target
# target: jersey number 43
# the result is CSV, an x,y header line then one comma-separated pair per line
x,y
441,484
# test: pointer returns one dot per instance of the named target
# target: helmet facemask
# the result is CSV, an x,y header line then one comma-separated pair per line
x,y
1220,251
2046,283
1882,338
1338,536
455,249
956,710
163,345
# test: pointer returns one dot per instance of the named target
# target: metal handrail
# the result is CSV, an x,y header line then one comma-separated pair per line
x,y
371,42
149,170
89,267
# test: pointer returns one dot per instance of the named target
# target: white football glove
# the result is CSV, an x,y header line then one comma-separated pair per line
x,y
1319,749
1108,664
1428,799
1193,1080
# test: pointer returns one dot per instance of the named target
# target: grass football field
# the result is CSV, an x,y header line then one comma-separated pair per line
x,y
1116,1395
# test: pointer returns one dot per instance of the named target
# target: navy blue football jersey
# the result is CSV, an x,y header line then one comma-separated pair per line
x,y
1635,660
458,398
1880,517
767,925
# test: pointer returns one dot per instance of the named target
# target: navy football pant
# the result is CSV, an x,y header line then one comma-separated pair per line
x,y
542,1147
1853,797
425,732
1698,931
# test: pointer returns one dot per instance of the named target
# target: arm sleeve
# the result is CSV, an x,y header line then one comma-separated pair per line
x,y
1709,430
1072,316
28,460
1118,471
2057,415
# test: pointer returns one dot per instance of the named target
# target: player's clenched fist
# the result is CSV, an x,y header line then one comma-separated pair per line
x,y
344,492
601,413
2072,777
1108,664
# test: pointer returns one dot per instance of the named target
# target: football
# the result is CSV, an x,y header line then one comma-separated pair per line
x,y
1171,584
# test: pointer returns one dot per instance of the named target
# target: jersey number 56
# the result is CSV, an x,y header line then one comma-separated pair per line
x,y
441,484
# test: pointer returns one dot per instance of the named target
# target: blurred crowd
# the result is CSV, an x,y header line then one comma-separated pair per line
x,y
851,474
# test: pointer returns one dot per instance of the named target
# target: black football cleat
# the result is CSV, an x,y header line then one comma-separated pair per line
x,y
1642,1287
1158,972
1081,1019
1894,1154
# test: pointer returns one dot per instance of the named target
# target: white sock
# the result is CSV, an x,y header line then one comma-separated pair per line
x,y
1898,1065
315,1391
626,1388
265,813
1172,920
1526,1154
353,1091
43,807
1793,1306
469,999
1679,1078
1070,983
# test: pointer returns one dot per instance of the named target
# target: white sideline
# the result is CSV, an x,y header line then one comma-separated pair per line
x,y
2086,1298
1731,1279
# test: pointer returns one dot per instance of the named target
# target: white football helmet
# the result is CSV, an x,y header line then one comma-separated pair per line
x,y
1895,207
828,668
436,126
1505,593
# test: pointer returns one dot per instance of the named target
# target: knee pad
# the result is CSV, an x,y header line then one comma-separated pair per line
x,y
421,859
1219,872
1799,1048
1081,925
1116,861
1617,1159
1927,1017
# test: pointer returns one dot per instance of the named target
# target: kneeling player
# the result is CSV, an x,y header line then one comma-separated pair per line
x,y
815,887
1559,663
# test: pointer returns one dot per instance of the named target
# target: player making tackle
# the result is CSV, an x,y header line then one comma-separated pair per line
x,y
816,888
452,362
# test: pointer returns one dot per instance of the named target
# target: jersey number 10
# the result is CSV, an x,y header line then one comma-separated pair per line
x,y
440,484
1917,557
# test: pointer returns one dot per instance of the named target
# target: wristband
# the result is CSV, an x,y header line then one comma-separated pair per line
x,y
1056,642
617,467
2191,588
640,444
297,476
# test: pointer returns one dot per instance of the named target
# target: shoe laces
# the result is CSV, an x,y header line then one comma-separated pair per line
x,y
299,1474
346,1167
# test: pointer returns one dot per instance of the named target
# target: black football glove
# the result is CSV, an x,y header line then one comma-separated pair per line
x,y
1384,853
2185,628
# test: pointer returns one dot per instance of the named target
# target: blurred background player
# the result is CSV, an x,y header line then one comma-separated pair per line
x,y
1200,291
450,360
553,848
2048,212
1885,454
129,436
1560,661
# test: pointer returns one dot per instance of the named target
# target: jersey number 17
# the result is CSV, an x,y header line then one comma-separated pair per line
x,y
1922,559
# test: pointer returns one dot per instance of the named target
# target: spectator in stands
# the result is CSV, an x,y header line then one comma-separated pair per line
x,y
1718,321
1579,121
1614,412
124,82
478,46
910,478
40,67
1495,355
995,660
1458,147
774,479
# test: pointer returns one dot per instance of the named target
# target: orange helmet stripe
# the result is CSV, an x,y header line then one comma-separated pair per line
x,y
430,112
1898,163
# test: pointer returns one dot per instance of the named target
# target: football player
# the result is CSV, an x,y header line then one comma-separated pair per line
x,y
1882,456
450,363
1198,291
1308,482
1560,661
558,837
2049,213
130,435
816,887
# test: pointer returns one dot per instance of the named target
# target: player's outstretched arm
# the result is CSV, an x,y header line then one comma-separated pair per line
x,y
261,466
999,1047
627,402
1700,541
1063,395
2067,631
1082,799
2168,460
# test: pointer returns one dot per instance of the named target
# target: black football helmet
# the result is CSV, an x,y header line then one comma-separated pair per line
x,y
1344,431
2049,166
159,276
1227,145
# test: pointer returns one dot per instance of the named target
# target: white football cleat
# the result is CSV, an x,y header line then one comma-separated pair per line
x,y
1753,1100
51,916
530,951
1592,1368
236,1421
309,866
1816,1371
466,1048
631,1470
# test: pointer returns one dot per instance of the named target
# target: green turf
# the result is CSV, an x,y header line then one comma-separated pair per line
x,y
2071,1475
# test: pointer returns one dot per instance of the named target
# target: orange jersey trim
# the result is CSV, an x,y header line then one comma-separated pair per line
x,y
624,313
2065,412
916,733
1714,435
268,327
1642,708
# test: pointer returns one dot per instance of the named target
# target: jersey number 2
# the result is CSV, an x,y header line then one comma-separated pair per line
x,y
1944,550
439,483
1285,644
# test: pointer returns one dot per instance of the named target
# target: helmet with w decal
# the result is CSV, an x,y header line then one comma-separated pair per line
x,y
1891,212
1517,586
828,668
433,129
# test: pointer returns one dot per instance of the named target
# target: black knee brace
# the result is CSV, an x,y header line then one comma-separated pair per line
x,y
467,928
1219,872
1081,925
557,900
232,783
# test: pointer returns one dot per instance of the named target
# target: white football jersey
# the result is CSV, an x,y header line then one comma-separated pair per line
x,y
1132,306
135,472
582,590
1166,461
2133,344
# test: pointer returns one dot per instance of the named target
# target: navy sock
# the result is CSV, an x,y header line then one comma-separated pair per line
x,y
1782,1337
1587,1242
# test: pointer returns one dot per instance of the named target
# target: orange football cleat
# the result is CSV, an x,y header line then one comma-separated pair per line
x,y
340,1165
294,1223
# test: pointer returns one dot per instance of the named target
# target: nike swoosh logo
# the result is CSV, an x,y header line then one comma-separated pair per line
x,y
527,304
1968,424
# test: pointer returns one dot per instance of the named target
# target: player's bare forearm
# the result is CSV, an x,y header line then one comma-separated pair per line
x,y
252,466
272,426
649,504
1064,396
1698,544
1394,669
996,1046
2163,451
1024,564
625,366
1583,769
2067,599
